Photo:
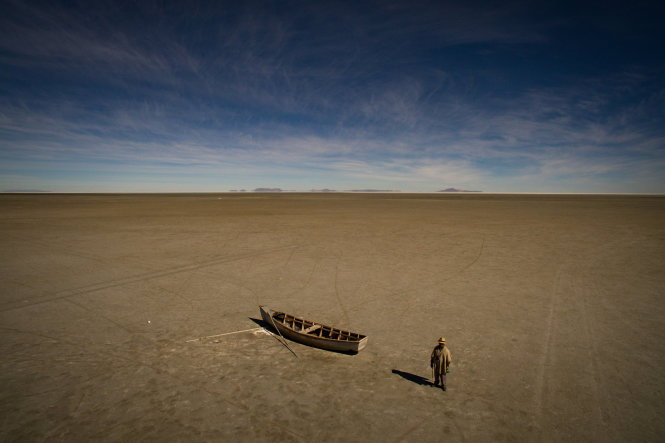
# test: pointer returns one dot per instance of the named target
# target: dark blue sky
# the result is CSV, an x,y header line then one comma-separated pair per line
x,y
416,96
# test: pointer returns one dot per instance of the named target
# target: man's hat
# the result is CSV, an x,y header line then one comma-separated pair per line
x,y
442,340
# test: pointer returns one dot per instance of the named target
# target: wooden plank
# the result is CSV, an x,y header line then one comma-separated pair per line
x,y
310,329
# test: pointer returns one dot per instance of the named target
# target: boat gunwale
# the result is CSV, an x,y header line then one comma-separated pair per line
x,y
271,314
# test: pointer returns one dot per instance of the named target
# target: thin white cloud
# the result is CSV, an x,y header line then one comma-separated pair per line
x,y
271,97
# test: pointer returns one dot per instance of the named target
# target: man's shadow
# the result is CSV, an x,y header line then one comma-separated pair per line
x,y
413,378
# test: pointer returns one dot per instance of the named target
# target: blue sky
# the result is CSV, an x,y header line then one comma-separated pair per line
x,y
418,96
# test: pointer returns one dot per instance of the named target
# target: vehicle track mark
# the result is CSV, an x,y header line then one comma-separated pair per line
x,y
540,387
480,253
37,334
235,403
99,314
339,299
310,277
404,436
599,426
141,277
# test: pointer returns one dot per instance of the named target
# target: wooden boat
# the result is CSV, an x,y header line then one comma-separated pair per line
x,y
312,333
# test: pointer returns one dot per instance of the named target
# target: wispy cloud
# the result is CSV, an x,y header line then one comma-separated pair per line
x,y
403,96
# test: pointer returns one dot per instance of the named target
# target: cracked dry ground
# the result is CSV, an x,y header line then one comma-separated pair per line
x,y
551,305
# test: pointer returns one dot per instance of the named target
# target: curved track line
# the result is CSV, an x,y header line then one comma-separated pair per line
x,y
480,253
97,313
543,363
600,426
141,277
339,299
235,403
403,436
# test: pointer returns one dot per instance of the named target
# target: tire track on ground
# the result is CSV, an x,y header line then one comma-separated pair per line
x,y
480,253
141,277
540,387
434,281
339,299
120,355
600,426
184,381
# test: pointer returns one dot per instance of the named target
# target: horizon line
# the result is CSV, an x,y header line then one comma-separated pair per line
x,y
322,192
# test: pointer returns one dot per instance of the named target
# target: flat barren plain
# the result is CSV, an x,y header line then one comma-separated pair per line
x,y
135,317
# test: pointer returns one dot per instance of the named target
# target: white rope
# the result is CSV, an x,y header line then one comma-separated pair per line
x,y
227,333
283,341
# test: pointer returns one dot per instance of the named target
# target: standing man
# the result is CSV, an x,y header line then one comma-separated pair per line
x,y
439,361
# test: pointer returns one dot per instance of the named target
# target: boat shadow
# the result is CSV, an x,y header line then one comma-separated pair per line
x,y
413,378
263,324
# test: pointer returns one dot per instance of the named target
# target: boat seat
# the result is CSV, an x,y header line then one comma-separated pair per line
x,y
310,329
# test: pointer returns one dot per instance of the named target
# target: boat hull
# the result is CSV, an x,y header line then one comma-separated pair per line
x,y
295,330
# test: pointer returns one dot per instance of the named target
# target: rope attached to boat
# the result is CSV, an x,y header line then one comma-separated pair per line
x,y
280,334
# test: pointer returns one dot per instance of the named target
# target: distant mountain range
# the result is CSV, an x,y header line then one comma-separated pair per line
x,y
35,191
349,190
374,190
268,190
455,190
316,190
24,191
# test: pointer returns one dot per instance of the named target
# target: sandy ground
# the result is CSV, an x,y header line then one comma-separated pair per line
x,y
552,307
